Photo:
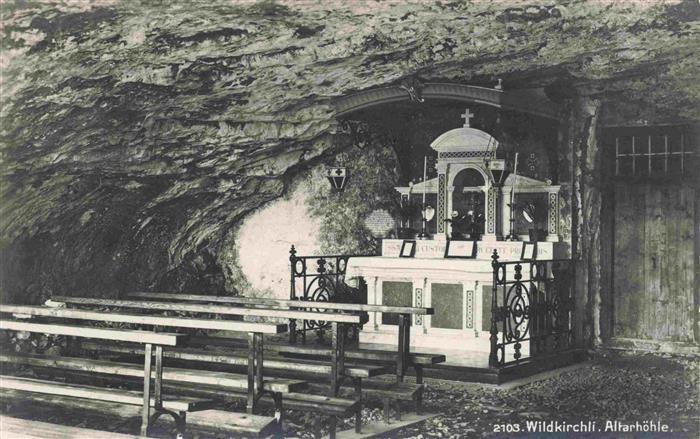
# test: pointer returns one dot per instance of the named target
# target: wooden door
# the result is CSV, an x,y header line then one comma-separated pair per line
x,y
654,261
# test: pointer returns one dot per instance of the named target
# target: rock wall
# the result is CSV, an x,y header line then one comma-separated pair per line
x,y
136,136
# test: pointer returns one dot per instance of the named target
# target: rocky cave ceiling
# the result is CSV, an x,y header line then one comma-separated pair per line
x,y
134,137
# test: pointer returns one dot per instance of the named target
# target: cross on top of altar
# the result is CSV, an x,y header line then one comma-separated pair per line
x,y
467,115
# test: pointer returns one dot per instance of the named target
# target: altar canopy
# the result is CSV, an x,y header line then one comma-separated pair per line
x,y
469,166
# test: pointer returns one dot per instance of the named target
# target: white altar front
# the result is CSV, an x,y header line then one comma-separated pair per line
x,y
459,290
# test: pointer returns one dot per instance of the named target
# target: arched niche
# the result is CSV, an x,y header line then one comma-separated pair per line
x,y
468,191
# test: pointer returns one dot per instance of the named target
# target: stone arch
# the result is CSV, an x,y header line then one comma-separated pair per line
x,y
458,168
526,101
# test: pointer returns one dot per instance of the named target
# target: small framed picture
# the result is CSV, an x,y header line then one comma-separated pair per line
x,y
529,252
461,249
408,249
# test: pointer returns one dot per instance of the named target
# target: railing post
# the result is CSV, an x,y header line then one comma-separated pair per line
x,y
292,294
146,411
493,355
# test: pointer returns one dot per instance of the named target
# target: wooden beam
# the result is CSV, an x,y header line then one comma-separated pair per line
x,y
213,309
285,303
203,377
89,392
164,339
22,428
240,359
139,319
360,354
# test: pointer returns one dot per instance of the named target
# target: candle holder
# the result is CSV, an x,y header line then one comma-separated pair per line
x,y
427,215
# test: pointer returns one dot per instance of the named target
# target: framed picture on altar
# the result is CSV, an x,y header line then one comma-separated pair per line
x,y
408,249
460,249
529,252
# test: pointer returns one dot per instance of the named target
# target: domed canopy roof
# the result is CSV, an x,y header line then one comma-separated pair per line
x,y
464,139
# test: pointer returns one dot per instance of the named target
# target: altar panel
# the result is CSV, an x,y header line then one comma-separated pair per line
x,y
448,302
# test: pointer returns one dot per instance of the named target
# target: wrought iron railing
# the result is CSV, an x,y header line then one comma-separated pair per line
x,y
320,279
531,309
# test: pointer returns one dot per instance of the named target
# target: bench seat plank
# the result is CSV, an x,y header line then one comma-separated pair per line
x,y
140,319
315,367
212,309
121,411
96,393
284,303
424,359
298,401
241,423
26,429
221,379
158,338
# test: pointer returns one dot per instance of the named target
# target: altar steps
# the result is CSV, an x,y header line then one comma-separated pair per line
x,y
503,375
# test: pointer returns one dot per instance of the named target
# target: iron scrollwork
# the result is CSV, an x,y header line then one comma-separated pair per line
x,y
319,279
532,305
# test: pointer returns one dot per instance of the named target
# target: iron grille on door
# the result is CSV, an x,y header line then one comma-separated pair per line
x,y
656,152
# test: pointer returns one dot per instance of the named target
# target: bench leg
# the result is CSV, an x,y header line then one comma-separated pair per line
x,y
317,427
419,395
398,409
337,357
358,397
255,376
181,423
146,411
387,411
292,331
158,385
404,345
332,427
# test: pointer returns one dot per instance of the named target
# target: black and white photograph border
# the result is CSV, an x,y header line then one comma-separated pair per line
x,y
207,207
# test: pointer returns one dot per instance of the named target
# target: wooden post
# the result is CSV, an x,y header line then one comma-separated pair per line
x,y
146,411
250,404
337,366
358,395
419,381
158,387
404,345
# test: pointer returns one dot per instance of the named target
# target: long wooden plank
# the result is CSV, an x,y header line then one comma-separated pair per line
x,y
425,359
121,411
213,309
230,380
284,303
90,332
292,400
25,429
89,392
314,367
178,322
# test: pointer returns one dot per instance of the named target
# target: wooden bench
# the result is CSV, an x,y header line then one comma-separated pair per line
x,y
147,398
254,380
386,358
404,314
402,358
335,370
253,384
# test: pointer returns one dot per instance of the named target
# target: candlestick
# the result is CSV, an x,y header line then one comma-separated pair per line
x,y
512,236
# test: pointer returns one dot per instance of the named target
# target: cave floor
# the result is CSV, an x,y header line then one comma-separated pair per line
x,y
612,387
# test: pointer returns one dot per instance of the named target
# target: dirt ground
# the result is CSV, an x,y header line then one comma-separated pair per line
x,y
612,387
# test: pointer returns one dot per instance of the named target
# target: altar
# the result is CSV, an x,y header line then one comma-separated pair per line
x,y
451,270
